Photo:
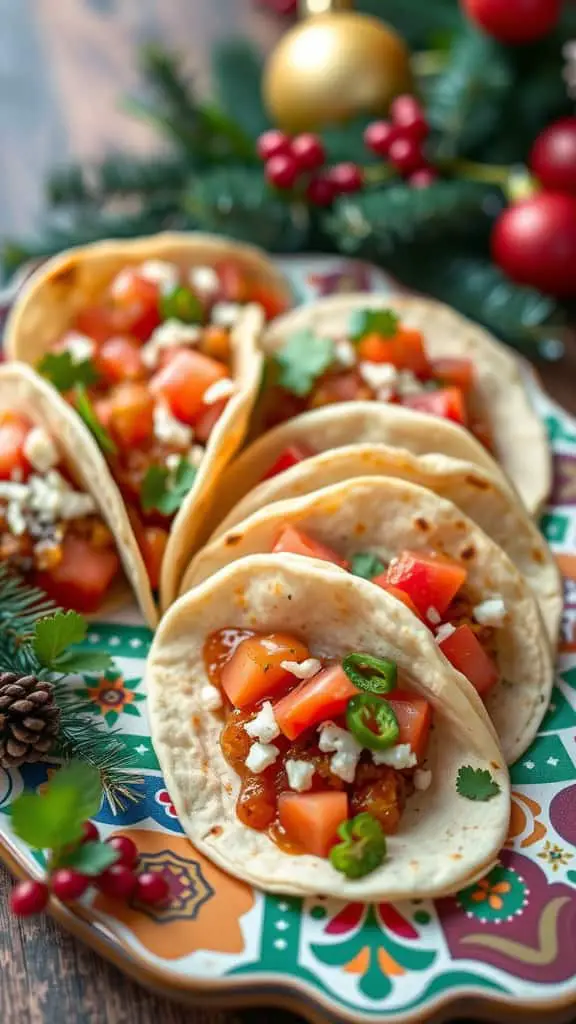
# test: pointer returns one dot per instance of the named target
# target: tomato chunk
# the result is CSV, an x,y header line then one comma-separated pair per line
x,y
154,545
465,652
13,431
430,580
83,576
314,700
311,820
453,371
119,359
255,671
291,456
272,303
132,414
136,304
208,419
339,387
414,716
97,322
400,595
405,350
447,403
234,283
293,541
184,381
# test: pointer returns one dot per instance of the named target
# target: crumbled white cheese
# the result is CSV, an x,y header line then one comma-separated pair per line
x,y
13,491
162,273
15,519
168,429
381,377
346,747
264,726
210,697
204,280
53,496
122,282
195,455
300,774
491,612
225,314
170,333
302,669
433,616
345,353
80,346
222,388
422,779
40,450
408,384
444,631
399,756
261,756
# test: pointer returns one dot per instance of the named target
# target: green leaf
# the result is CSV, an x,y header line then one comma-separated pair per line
x,y
54,635
380,321
89,858
86,411
476,783
302,360
164,489
61,370
181,304
367,565
54,818
237,73
83,661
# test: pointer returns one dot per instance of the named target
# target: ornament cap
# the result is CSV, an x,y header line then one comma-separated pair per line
x,y
307,8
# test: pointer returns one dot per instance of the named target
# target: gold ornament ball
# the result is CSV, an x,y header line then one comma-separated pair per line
x,y
332,67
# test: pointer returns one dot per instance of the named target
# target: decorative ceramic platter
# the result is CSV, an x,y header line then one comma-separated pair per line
x,y
505,943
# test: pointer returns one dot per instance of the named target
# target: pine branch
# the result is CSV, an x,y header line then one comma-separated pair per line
x,y
236,75
117,175
419,22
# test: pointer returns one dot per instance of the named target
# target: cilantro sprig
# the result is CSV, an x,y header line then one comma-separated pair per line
x,y
378,321
164,489
64,373
86,411
54,635
366,565
476,783
302,360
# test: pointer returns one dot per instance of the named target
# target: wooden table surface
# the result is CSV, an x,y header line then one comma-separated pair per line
x,y
63,66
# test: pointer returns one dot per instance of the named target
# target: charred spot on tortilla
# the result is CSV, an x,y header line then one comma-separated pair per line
x,y
65,277
538,555
468,553
360,528
233,538
474,481
460,525
421,524
216,830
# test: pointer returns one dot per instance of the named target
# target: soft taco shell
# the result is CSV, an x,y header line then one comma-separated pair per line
x,y
476,492
385,516
444,842
515,426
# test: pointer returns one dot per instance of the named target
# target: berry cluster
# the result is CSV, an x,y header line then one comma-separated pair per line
x,y
400,141
301,160
120,880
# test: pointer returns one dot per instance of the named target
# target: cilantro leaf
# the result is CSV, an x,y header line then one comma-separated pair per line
x,y
380,321
302,360
86,411
164,489
476,783
55,633
181,304
54,818
366,565
83,661
64,373
90,858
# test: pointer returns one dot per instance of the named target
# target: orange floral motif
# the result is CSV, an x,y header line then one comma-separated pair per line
x,y
111,695
491,892
524,819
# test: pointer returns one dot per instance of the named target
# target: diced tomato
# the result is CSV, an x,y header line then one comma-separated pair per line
x,y
13,431
311,820
216,342
291,456
254,670
98,322
314,700
453,371
414,716
405,350
339,387
136,304
154,545
465,652
430,580
184,381
103,408
234,282
293,541
83,576
119,359
400,595
448,403
272,303
132,415
208,419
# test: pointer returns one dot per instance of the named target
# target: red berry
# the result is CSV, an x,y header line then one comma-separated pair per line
x,y
379,136
514,21
117,881
272,143
90,833
534,242
423,178
320,191
282,171
553,156
151,887
308,151
126,850
408,116
406,155
346,177
68,884
29,898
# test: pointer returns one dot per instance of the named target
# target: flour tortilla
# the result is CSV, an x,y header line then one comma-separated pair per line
x,y
476,492
385,516
445,841
521,446
65,285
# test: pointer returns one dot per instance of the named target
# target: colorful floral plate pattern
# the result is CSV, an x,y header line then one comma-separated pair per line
x,y
505,942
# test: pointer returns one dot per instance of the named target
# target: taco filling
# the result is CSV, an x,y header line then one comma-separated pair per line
x,y
328,752
49,530
149,370
378,359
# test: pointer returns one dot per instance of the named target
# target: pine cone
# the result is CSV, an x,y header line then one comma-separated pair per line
x,y
29,719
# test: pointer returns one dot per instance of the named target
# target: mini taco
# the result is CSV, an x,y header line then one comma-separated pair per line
x,y
315,741
154,343
416,353
425,552
62,526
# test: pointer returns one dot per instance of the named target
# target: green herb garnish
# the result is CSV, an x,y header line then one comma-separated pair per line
x,y
53,636
476,783
366,565
86,411
181,304
372,721
164,489
363,846
302,360
61,370
376,675
378,321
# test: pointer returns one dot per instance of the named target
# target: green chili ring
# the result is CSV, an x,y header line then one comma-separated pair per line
x,y
382,678
363,846
367,708
181,304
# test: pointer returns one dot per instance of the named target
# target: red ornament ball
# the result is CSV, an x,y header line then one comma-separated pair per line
x,y
308,151
346,177
117,881
151,888
534,242
282,171
320,191
514,21
272,143
406,155
90,833
379,136
407,115
553,156
29,898
68,884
